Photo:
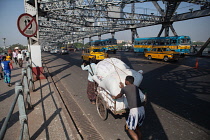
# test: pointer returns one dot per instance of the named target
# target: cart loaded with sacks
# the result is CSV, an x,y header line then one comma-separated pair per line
x,y
108,74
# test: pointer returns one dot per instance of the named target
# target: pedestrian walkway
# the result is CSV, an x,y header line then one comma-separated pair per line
x,y
47,119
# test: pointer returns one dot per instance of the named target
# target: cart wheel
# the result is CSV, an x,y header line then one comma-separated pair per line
x,y
101,107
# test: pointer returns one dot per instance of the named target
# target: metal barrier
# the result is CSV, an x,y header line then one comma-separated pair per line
x,y
21,88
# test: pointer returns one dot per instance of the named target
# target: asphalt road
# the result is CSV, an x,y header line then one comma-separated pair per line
x,y
178,96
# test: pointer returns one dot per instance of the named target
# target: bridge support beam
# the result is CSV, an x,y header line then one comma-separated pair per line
x,y
113,34
133,33
99,37
34,46
166,27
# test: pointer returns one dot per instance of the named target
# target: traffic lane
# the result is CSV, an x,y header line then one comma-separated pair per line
x,y
75,80
188,61
180,89
157,131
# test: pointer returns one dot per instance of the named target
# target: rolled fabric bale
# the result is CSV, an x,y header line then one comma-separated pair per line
x,y
109,65
108,77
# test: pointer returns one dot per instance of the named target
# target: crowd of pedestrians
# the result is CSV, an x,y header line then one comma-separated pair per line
x,y
6,63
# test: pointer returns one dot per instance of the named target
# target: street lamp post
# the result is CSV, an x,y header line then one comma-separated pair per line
x,y
4,42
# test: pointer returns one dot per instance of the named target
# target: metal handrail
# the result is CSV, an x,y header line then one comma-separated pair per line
x,y
4,126
21,88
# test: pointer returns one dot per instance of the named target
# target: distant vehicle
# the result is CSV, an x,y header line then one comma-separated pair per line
x,y
53,51
16,48
64,51
163,53
179,44
57,50
107,45
96,52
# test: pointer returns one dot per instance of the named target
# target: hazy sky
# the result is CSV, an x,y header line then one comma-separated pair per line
x,y
10,10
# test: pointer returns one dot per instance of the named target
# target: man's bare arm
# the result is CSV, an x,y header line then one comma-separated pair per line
x,y
118,96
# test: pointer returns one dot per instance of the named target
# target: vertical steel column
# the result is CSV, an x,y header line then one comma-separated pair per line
x,y
90,41
22,112
166,30
99,37
37,20
112,33
133,32
26,88
29,75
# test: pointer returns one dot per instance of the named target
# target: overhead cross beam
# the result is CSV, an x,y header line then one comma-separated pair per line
x,y
79,19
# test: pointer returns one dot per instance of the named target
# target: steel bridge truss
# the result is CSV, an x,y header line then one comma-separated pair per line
x,y
74,20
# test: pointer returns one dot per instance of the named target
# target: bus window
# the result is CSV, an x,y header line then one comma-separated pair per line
x,y
156,42
185,41
162,42
173,42
167,42
141,42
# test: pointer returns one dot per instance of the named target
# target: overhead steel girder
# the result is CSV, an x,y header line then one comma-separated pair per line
x,y
127,20
190,15
81,21
57,5
108,29
175,18
109,25
179,17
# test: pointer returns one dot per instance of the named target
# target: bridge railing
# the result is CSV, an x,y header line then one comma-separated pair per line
x,y
22,89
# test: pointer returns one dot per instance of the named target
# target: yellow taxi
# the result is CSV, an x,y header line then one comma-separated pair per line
x,y
96,52
163,53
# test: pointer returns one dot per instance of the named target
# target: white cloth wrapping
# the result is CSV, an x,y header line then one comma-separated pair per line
x,y
108,76
109,65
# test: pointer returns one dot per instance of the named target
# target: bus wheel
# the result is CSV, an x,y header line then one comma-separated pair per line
x,y
165,58
149,57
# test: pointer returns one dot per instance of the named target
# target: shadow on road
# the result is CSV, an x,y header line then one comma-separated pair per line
x,y
177,91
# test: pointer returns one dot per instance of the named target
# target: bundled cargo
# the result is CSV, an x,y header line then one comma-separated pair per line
x,y
109,73
109,65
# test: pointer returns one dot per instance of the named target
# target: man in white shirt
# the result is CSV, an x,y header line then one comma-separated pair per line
x,y
91,84
14,55
20,59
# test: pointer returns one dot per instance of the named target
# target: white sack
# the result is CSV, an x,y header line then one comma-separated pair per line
x,y
111,82
109,65
108,76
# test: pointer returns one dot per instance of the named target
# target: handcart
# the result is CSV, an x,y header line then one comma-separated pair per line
x,y
102,99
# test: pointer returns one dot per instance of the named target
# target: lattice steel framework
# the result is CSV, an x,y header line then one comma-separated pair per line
x,y
73,20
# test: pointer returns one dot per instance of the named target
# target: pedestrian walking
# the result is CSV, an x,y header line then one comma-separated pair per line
x,y
14,55
1,69
20,59
137,112
8,57
27,55
7,71
91,84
